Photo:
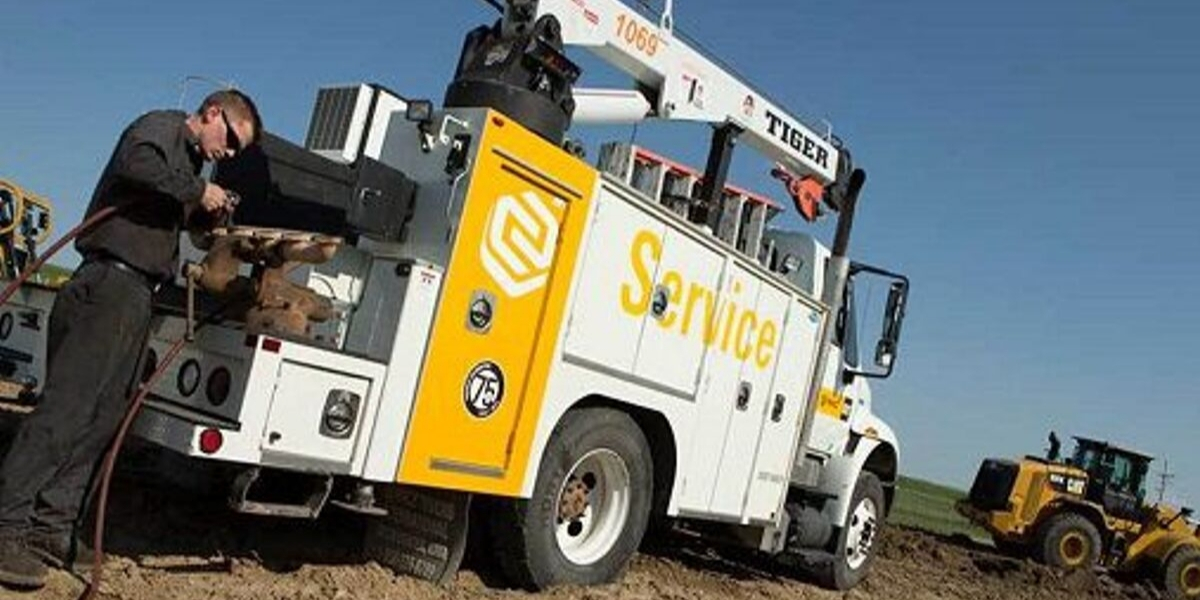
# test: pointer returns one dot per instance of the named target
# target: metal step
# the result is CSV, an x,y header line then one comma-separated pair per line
x,y
280,494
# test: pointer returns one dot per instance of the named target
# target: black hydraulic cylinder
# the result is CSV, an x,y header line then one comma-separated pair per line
x,y
841,240
716,173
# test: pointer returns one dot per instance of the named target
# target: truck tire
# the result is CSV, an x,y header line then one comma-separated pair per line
x,y
1181,574
424,533
1069,541
589,508
856,543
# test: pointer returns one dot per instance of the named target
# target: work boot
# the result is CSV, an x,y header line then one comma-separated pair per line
x,y
19,566
62,552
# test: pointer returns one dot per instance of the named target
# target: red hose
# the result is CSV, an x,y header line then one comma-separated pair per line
x,y
110,460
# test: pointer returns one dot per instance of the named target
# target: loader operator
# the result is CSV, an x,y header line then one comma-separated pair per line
x,y
100,320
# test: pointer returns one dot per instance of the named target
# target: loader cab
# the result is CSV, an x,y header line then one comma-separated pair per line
x,y
1116,476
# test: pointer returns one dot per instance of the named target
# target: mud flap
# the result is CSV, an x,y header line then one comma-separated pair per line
x,y
424,534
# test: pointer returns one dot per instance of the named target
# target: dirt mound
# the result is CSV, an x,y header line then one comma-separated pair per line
x,y
171,542
958,567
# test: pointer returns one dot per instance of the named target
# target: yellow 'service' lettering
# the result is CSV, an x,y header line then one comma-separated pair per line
x,y
763,353
737,330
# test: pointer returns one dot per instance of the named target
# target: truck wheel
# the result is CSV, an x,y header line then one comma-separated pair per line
x,y
1181,575
589,507
857,539
1069,541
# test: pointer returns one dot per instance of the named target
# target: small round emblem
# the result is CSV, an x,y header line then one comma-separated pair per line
x,y
484,389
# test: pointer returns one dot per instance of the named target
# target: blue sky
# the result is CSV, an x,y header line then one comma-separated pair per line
x,y
1027,161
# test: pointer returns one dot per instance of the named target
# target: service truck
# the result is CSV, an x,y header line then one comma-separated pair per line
x,y
588,351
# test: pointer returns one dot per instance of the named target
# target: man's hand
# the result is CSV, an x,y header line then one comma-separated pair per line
x,y
215,199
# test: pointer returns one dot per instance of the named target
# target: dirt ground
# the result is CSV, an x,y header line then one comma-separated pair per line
x,y
169,542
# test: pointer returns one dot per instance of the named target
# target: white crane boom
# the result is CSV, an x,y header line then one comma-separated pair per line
x,y
683,83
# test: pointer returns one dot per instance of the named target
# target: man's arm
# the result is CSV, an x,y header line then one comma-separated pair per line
x,y
143,162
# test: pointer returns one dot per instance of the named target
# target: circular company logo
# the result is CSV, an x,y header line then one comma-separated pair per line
x,y
484,389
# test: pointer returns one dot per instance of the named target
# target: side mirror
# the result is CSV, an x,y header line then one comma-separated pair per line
x,y
891,319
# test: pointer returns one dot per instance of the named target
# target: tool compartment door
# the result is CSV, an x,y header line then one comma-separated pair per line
x,y
676,331
616,281
731,402
645,294
785,409
481,387
756,339
294,427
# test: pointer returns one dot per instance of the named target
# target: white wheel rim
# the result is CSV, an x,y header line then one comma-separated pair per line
x,y
587,535
864,524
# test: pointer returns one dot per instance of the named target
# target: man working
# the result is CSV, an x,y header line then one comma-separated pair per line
x,y
100,320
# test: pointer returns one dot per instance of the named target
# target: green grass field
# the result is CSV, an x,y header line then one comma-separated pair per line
x,y
51,275
930,507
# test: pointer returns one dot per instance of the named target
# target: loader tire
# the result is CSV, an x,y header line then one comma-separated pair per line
x,y
1181,574
858,539
589,508
1068,541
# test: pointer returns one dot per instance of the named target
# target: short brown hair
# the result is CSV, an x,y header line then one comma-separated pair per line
x,y
238,103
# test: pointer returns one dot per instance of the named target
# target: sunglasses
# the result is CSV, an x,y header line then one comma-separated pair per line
x,y
232,141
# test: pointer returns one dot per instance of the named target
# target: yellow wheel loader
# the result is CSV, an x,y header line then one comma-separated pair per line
x,y
1084,511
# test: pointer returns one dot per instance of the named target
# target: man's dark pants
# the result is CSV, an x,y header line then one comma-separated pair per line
x,y
97,329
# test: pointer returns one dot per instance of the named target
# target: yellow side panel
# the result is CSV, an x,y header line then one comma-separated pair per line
x,y
1034,500
480,392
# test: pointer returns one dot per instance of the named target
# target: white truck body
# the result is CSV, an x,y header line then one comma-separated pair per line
x,y
731,324
529,292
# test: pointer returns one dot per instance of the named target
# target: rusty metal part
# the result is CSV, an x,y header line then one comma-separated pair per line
x,y
266,301
574,500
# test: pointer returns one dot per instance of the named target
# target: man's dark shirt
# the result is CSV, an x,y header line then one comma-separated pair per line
x,y
153,172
